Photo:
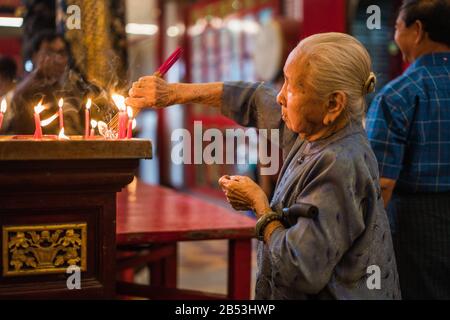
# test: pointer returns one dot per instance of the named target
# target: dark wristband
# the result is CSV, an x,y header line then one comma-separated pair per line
x,y
262,223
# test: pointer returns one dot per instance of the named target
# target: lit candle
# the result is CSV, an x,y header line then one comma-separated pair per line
x,y
37,120
130,123
87,115
2,111
120,103
93,126
61,116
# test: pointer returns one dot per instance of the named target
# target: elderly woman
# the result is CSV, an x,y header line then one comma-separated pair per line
x,y
346,251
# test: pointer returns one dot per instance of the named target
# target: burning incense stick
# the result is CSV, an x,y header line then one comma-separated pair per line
x,y
162,70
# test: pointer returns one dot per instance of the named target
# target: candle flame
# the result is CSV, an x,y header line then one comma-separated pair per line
x,y
133,124
61,102
93,124
46,122
88,103
39,108
62,136
130,112
4,105
119,101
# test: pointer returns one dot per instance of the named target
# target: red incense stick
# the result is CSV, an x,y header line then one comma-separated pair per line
x,y
169,62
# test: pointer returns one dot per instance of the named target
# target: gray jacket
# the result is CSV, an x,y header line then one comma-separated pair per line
x,y
340,254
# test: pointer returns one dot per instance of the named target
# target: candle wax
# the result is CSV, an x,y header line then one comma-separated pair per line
x,y
38,129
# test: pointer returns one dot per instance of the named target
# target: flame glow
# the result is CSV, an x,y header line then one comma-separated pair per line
x,y
130,112
61,102
46,122
134,124
88,103
119,101
62,136
3,106
93,124
39,108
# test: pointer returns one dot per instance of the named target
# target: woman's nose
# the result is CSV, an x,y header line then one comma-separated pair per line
x,y
280,98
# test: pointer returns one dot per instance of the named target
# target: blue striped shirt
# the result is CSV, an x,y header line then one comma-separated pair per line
x,y
408,126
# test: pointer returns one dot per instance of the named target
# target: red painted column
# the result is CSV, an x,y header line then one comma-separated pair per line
x,y
324,16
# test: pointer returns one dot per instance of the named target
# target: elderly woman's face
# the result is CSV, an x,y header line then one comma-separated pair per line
x,y
302,111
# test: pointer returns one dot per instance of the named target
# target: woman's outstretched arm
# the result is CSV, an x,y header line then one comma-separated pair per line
x,y
249,104
154,92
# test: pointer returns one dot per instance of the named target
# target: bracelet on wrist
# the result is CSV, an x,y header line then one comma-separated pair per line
x,y
263,221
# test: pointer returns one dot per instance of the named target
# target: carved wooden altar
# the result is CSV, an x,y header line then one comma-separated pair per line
x,y
58,209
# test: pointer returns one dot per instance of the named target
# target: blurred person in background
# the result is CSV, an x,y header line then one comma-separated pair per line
x,y
46,83
55,76
408,126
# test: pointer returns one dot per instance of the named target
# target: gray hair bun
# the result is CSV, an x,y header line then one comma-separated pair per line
x,y
369,85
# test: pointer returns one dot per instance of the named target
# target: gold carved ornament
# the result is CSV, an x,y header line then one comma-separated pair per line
x,y
31,250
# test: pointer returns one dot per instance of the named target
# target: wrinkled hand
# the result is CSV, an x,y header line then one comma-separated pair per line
x,y
244,194
150,92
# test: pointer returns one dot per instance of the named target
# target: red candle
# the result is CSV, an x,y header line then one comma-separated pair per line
x,y
37,121
61,116
130,129
122,124
120,103
2,111
93,126
130,123
86,119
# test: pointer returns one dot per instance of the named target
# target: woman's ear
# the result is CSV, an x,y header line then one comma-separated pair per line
x,y
335,106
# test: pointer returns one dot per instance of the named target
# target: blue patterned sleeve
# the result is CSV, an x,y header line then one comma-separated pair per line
x,y
387,125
